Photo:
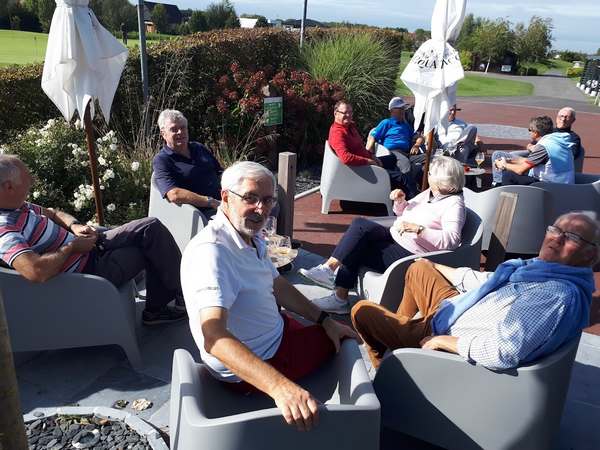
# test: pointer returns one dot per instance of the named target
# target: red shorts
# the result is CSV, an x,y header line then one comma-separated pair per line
x,y
302,350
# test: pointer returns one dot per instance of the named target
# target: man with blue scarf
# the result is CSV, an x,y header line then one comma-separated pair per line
x,y
523,311
550,158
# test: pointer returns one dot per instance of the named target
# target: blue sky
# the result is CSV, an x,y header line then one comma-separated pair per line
x,y
576,22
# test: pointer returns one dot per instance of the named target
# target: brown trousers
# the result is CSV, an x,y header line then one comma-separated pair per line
x,y
381,329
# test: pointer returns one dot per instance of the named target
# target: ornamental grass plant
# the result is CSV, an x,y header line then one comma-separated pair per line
x,y
363,65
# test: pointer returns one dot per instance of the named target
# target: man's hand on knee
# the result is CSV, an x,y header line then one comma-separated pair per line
x,y
297,405
337,331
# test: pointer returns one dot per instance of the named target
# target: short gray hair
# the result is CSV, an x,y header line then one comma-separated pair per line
x,y
10,168
568,108
448,174
170,114
590,217
234,175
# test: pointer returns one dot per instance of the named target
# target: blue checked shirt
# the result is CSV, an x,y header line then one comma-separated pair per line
x,y
510,323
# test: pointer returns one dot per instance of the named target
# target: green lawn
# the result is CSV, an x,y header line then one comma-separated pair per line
x,y
21,47
24,47
474,85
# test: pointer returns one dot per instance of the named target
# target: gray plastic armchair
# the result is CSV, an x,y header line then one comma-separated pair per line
x,y
206,413
183,221
586,178
570,197
528,227
386,288
442,399
70,310
578,162
355,183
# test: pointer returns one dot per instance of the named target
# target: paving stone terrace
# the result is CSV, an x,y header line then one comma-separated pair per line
x,y
99,376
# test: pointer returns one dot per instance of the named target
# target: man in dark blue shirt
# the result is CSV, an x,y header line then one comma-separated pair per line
x,y
184,171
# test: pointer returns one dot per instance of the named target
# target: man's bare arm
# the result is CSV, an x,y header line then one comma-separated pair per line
x,y
40,268
370,143
69,222
292,299
516,165
296,404
442,342
181,196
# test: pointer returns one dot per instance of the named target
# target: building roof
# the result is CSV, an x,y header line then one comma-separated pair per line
x,y
246,22
173,13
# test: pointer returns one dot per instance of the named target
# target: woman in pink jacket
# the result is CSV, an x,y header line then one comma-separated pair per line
x,y
431,221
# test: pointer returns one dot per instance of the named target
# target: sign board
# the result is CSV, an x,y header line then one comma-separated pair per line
x,y
273,111
506,68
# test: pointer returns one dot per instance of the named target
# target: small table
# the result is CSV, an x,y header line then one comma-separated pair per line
x,y
475,172
280,259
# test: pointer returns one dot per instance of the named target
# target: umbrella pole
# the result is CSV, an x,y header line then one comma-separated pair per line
x,y
429,149
89,138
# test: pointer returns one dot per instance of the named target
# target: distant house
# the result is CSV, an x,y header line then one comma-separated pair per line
x,y
174,15
246,22
276,23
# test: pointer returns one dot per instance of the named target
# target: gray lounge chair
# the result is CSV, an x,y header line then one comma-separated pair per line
x,y
70,310
586,178
570,197
442,399
355,183
386,288
206,413
183,221
528,227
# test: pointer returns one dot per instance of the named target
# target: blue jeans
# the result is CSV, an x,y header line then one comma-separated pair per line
x,y
365,243
497,173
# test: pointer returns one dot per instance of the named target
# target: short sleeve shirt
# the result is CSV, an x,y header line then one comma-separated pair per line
x,y
200,174
393,135
537,156
219,269
26,229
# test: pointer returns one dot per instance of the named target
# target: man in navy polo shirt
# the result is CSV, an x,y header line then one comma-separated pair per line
x,y
184,171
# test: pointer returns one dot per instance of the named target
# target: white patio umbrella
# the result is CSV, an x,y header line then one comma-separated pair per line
x,y
435,68
83,63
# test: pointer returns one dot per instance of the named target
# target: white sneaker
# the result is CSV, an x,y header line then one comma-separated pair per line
x,y
321,275
332,304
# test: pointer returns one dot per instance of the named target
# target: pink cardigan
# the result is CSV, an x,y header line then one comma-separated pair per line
x,y
442,218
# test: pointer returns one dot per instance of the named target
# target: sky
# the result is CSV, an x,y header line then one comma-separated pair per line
x,y
576,22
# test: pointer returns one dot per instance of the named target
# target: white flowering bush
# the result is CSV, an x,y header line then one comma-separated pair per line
x,y
58,158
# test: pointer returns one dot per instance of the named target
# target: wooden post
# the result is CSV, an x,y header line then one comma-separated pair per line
x,y
286,180
503,220
12,429
428,150
91,146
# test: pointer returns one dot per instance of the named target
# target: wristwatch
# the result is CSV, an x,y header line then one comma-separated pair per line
x,y
324,315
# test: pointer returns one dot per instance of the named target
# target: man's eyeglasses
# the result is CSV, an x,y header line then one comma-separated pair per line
x,y
573,237
344,113
253,199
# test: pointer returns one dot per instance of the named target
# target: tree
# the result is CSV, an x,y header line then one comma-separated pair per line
x,y
465,38
45,11
221,15
197,22
492,39
598,52
421,36
160,18
112,13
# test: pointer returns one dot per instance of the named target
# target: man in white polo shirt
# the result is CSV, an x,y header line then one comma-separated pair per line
x,y
232,293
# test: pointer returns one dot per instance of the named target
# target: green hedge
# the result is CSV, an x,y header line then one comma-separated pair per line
x,y
574,72
196,61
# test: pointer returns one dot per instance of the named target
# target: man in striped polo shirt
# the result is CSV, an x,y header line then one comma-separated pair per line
x,y
40,243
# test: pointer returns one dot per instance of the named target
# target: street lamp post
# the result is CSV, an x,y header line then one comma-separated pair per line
x,y
143,62
302,24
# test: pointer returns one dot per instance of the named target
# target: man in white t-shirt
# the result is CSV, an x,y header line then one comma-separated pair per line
x,y
457,134
232,292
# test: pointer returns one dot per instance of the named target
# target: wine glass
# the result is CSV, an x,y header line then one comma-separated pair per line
x,y
479,158
270,227
284,246
452,150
